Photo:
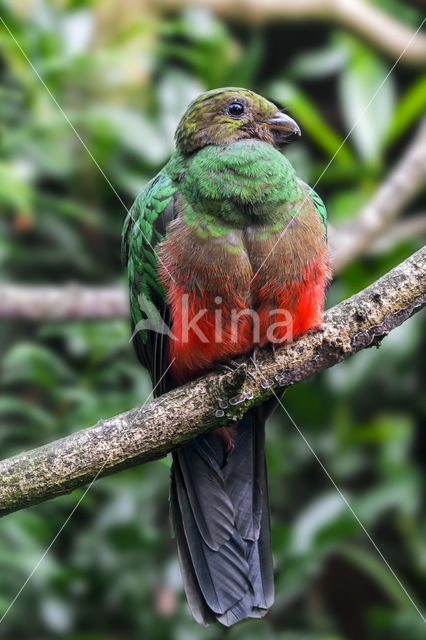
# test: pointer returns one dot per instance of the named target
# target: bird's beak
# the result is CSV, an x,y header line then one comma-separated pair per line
x,y
287,129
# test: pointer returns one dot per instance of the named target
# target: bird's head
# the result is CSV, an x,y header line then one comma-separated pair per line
x,y
223,116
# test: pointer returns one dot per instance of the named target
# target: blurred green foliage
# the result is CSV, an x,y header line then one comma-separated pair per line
x,y
124,77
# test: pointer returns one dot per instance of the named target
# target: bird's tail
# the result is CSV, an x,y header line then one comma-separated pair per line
x,y
220,512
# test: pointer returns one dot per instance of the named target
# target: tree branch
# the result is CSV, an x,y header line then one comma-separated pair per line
x,y
383,30
62,302
414,226
346,243
151,431
404,181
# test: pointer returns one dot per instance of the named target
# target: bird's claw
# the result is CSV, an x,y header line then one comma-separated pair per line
x,y
273,350
228,367
231,366
254,354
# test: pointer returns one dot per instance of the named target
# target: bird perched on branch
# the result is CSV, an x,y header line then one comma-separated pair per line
x,y
226,252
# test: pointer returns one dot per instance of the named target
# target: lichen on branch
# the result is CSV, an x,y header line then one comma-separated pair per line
x,y
151,431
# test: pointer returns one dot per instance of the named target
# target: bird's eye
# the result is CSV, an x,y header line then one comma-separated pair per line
x,y
235,109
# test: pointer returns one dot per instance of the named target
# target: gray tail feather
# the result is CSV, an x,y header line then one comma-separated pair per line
x,y
220,512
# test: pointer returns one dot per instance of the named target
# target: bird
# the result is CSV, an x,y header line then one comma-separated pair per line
x,y
222,242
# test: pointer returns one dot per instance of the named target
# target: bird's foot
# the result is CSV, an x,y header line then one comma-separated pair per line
x,y
232,366
273,348
253,356
229,367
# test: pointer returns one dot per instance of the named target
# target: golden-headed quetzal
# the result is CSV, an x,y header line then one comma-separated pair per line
x,y
225,229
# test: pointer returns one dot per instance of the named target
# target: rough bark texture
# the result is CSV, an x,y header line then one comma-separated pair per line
x,y
346,243
371,22
151,431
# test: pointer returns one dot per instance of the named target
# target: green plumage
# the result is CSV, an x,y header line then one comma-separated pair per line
x,y
141,234
226,219
215,200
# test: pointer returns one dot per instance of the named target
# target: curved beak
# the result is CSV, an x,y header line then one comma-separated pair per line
x,y
286,128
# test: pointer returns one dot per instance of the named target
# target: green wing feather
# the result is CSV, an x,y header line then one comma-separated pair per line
x,y
143,229
319,204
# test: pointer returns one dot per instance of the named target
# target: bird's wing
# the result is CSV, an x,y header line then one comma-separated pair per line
x,y
144,228
319,204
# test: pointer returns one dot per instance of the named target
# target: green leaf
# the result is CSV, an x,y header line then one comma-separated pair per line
x,y
345,204
314,518
28,362
319,63
411,107
310,119
15,189
367,96
373,565
19,408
